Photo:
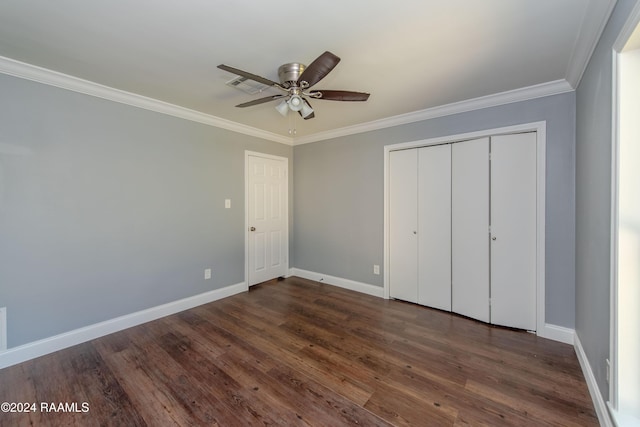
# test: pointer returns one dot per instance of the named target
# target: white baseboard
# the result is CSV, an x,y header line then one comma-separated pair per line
x,y
365,288
557,333
44,346
598,401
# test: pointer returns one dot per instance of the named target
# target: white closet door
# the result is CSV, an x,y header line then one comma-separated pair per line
x,y
403,225
513,226
434,226
470,228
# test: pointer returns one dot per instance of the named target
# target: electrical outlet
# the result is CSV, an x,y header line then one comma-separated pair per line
x,y
227,203
376,269
207,274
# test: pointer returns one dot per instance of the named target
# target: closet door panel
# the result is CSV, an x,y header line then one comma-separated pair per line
x,y
470,228
434,226
403,225
513,226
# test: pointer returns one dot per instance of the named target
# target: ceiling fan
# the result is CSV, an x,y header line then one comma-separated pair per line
x,y
296,81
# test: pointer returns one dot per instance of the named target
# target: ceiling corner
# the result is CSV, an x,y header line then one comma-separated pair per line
x,y
591,29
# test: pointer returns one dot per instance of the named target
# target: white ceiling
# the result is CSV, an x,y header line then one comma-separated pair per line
x,y
411,55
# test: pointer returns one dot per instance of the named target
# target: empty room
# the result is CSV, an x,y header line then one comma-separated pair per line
x,y
420,213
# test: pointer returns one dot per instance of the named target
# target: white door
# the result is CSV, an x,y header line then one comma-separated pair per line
x,y
513,230
470,228
434,226
403,225
267,217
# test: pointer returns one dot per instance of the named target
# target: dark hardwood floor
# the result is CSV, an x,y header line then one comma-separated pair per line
x,y
297,352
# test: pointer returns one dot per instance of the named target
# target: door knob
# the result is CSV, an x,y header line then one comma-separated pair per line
x,y
252,229
493,238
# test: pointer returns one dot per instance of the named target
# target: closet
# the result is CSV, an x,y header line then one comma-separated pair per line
x,y
462,228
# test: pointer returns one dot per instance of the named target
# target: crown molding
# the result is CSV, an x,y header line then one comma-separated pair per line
x,y
53,78
588,40
633,20
508,97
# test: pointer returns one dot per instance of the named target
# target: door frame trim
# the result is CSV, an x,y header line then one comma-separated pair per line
x,y
612,404
541,147
285,202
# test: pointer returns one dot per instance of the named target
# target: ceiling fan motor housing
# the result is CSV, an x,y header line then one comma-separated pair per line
x,y
289,74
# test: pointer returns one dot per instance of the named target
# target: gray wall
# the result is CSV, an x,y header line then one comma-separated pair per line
x,y
338,195
106,209
593,198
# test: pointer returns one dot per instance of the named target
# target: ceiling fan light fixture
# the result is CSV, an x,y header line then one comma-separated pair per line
x,y
295,103
283,108
306,110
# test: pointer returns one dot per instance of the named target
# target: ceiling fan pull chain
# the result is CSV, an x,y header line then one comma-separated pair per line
x,y
292,128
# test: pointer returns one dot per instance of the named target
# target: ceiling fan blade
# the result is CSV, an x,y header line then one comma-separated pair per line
x,y
319,68
250,76
340,95
260,101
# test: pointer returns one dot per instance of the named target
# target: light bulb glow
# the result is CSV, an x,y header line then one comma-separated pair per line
x,y
295,103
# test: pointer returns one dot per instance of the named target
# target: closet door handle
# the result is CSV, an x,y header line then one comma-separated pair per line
x,y
494,238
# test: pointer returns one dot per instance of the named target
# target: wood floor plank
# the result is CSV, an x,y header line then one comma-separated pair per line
x,y
328,373
226,390
16,386
304,353
52,392
262,390
450,396
403,409
322,405
289,350
154,403
539,411
99,384
336,373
